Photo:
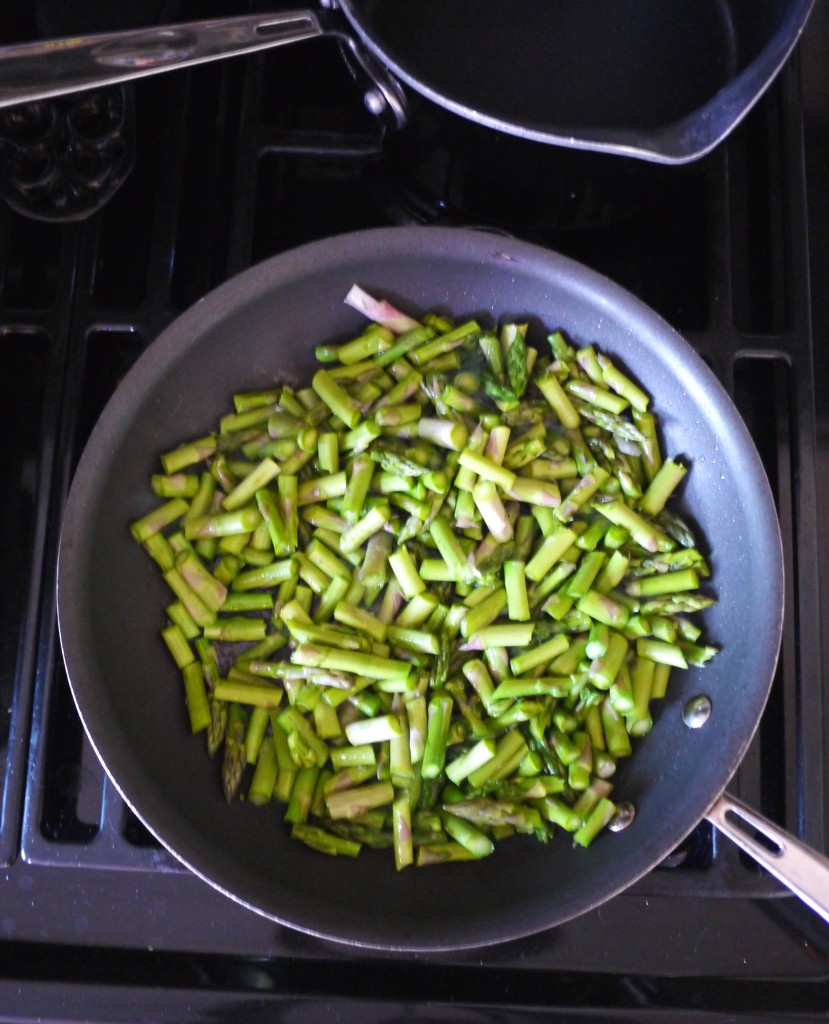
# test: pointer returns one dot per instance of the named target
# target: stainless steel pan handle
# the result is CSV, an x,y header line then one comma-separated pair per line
x,y
797,866
42,70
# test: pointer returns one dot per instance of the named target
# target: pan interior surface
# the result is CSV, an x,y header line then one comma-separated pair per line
x,y
661,81
261,327
600,64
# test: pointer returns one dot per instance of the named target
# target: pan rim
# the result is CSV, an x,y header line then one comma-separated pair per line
x,y
212,309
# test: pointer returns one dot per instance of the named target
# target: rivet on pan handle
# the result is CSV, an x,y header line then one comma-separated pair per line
x,y
797,866
385,98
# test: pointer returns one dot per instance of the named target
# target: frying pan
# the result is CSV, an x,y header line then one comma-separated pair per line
x,y
663,81
261,327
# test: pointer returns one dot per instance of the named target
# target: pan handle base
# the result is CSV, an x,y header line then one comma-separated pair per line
x,y
384,96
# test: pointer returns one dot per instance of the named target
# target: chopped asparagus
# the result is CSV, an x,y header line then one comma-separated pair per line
x,y
443,582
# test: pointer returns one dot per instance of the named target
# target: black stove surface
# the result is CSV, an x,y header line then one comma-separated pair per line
x,y
198,175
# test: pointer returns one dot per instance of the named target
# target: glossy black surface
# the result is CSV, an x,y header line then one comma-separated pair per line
x,y
235,164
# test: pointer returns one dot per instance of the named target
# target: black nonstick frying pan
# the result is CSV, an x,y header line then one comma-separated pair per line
x,y
664,81
261,327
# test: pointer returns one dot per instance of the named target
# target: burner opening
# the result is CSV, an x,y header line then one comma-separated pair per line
x,y
120,274
72,776
641,224
206,207
108,355
136,834
762,393
30,269
695,852
760,250
295,96
300,198
24,366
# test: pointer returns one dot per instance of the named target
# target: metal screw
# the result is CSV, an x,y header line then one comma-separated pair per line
x,y
375,102
697,711
625,813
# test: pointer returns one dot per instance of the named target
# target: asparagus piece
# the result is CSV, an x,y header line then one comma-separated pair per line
x,y
370,665
434,753
253,482
198,705
233,764
491,813
664,483
336,398
559,401
188,454
442,853
262,696
402,826
352,803
469,837
155,521
324,842
263,782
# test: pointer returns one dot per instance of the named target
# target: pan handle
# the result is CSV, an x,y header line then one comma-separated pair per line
x,y
797,866
41,70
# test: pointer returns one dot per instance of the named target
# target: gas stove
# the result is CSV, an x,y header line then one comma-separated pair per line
x,y
181,181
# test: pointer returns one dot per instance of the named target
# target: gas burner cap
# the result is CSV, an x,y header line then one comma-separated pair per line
x,y
63,159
